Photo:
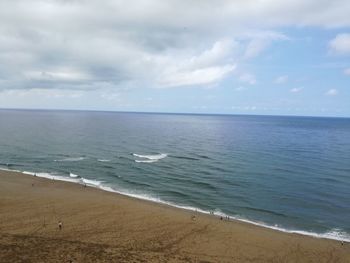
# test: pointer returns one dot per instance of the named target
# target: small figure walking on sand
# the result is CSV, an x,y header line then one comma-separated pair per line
x,y
59,225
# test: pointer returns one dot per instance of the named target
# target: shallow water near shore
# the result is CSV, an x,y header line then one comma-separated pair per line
x,y
288,173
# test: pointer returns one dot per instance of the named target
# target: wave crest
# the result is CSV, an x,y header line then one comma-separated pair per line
x,y
70,159
149,158
103,160
91,182
146,161
74,175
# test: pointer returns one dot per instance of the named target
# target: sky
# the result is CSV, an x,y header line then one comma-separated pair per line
x,y
269,57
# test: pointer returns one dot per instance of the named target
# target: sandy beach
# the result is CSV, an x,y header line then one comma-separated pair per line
x,y
99,226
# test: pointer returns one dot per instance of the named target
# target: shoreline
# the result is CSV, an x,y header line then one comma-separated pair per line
x,y
90,183
100,226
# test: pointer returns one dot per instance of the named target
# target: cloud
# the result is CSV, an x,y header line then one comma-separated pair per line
x,y
87,45
61,75
195,77
261,41
110,96
281,79
210,66
340,45
253,108
42,93
244,108
255,47
332,92
347,71
296,90
247,78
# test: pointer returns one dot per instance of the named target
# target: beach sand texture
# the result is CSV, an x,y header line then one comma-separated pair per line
x,y
99,226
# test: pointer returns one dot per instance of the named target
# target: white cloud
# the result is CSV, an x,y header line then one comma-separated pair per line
x,y
295,90
244,108
110,96
210,66
85,45
42,93
247,78
195,77
347,71
221,50
253,108
61,75
332,92
281,79
340,44
261,41
255,47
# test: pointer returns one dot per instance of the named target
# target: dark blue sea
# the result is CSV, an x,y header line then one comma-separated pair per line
x,y
287,173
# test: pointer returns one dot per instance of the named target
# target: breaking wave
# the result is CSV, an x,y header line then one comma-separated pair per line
x,y
146,161
71,159
74,175
90,182
103,160
150,158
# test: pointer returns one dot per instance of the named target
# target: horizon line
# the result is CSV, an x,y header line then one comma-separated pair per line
x,y
173,113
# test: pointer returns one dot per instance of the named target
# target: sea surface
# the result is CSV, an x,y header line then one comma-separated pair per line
x,y
287,173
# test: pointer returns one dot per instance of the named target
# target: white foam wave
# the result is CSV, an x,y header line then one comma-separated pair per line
x,y
149,158
53,177
29,173
91,182
73,175
10,170
146,161
103,160
334,234
107,189
71,159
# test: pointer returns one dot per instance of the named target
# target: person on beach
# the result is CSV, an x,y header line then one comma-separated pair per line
x,y
59,225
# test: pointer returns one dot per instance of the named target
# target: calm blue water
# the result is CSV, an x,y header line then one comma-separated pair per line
x,y
291,173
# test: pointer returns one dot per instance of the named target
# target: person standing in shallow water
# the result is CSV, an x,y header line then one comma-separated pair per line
x,y
59,225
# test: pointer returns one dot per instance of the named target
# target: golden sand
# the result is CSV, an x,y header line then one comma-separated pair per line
x,y
99,226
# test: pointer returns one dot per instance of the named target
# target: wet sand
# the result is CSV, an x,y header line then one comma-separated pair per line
x,y
99,226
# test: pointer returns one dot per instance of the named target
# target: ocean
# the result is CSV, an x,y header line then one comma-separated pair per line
x,y
287,173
